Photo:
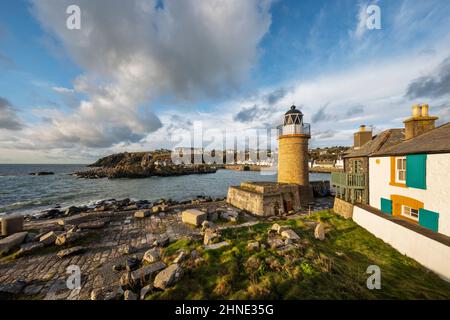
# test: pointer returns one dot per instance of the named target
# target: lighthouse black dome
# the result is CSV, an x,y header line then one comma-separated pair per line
x,y
293,116
294,110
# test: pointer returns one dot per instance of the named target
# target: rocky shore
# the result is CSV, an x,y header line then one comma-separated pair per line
x,y
141,165
124,249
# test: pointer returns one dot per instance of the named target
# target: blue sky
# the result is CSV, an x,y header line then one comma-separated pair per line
x,y
139,73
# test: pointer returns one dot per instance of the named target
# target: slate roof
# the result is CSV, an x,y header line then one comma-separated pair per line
x,y
380,142
433,141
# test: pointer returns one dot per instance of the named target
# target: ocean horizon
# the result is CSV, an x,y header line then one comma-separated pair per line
x,y
22,193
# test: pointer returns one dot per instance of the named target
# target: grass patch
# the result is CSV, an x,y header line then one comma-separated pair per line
x,y
330,269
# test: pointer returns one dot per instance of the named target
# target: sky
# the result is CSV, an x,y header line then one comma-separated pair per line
x,y
147,74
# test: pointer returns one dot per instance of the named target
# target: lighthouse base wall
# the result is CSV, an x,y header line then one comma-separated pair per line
x,y
269,198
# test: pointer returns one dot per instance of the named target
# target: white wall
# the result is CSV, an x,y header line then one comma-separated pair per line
x,y
435,198
428,252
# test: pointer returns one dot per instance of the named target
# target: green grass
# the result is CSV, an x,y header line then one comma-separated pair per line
x,y
330,269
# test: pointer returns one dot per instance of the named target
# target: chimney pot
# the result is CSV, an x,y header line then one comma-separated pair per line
x,y
424,110
416,110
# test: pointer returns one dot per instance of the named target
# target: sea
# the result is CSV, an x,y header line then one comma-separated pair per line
x,y
22,193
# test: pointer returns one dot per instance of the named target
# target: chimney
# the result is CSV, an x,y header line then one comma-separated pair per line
x,y
361,137
420,122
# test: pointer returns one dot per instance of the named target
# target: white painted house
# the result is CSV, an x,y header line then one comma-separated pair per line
x,y
409,193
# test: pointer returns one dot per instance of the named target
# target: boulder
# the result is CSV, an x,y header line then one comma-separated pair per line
x,y
215,246
145,290
162,242
125,279
181,256
12,241
48,238
194,217
142,213
71,251
11,225
168,276
275,243
131,207
290,234
144,274
319,232
68,237
13,288
130,295
72,210
29,248
107,293
155,209
152,255
275,227
253,246
206,224
209,236
131,263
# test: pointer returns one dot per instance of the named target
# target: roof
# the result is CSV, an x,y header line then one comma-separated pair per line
x,y
293,110
434,141
379,142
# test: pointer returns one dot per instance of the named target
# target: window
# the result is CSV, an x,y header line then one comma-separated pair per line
x,y
400,170
410,213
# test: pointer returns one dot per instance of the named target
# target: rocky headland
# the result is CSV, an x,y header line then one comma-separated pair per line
x,y
141,165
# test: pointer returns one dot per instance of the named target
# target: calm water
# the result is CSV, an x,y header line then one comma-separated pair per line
x,y
22,193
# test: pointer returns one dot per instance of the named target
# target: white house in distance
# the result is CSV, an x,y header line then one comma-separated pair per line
x,y
409,194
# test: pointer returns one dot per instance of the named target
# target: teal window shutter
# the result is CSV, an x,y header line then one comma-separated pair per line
x,y
416,171
386,206
429,219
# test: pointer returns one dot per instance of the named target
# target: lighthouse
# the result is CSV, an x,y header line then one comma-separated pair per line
x,y
292,191
293,138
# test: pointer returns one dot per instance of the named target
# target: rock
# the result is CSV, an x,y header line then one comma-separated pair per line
x,y
209,236
11,225
181,256
29,248
155,209
168,276
72,210
68,237
215,246
129,295
129,249
14,288
162,242
71,251
48,238
100,209
131,207
213,216
145,290
287,241
107,293
151,255
193,216
142,213
253,246
319,232
283,228
131,263
144,274
290,234
275,243
118,267
92,224
275,227
206,224
163,207
195,254
125,279
12,241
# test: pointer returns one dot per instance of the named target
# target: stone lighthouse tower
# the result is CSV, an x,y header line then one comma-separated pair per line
x,y
292,191
293,138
